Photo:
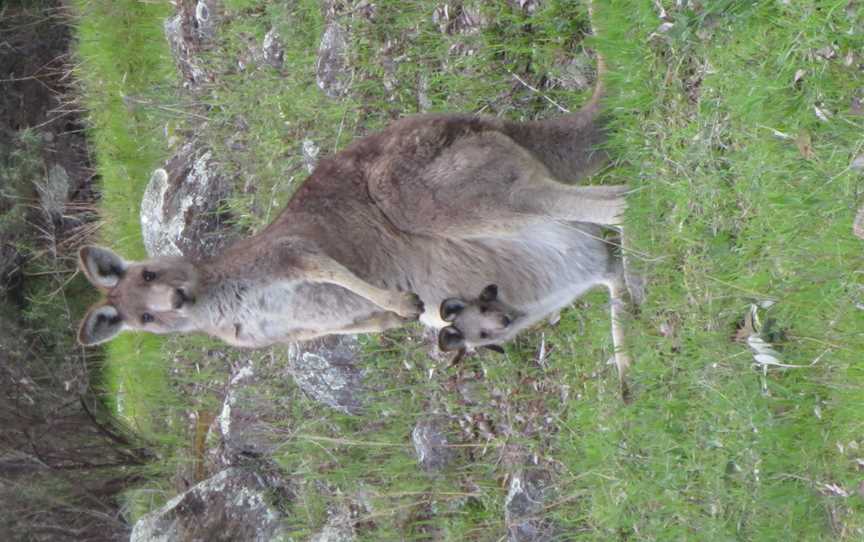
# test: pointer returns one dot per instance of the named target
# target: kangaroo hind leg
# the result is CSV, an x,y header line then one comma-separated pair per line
x,y
604,205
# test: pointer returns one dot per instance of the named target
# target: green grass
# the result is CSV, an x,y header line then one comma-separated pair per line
x,y
728,214
730,209
124,61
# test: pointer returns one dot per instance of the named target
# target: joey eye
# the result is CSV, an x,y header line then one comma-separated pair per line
x,y
484,335
148,276
146,318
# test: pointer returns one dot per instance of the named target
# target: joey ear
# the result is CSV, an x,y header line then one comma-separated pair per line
x,y
450,338
489,293
102,267
450,308
494,348
457,358
102,323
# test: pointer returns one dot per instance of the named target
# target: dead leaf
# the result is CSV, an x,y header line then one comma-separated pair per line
x,y
746,329
766,359
799,75
805,144
821,114
857,163
829,52
661,12
778,134
856,107
835,490
858,225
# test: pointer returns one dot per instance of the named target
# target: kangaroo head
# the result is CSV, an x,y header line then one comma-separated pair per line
x,y
481,322
154,295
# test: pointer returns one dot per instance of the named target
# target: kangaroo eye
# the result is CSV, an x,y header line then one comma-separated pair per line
x,y
148,276
146,318
484,335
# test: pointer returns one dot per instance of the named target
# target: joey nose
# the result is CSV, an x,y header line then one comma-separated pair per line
x,y
506,321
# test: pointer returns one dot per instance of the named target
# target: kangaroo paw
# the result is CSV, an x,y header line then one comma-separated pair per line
x,y
408,305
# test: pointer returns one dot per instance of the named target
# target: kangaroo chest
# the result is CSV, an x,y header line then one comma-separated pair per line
x,y
247,314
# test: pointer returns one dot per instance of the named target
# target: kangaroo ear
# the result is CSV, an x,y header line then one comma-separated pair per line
x,y
450,308
102,267
102,323
494,348
450,338
489,293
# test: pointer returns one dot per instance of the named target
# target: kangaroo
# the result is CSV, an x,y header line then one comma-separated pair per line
x,y
380,233
486,321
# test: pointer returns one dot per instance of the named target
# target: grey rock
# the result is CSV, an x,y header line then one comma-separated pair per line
x,y
235,504
310,154
257,403
389,64
273,51
207,16
339,528
524,512
270,52
431,445
468,18
179,207
333,74
188,33
342,516
327,370
155,225
424,103
255,411
247,421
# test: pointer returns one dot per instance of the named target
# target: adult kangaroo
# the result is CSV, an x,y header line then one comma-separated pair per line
x,y
433,206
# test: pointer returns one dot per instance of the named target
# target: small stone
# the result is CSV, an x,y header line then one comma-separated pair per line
x,y
272,49
525,505
333,74
431,445
310,154
327,370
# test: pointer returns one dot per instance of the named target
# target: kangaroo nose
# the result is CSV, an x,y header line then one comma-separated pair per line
x,y
180,298
506,321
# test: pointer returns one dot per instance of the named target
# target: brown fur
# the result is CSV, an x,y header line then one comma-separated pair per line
x,y
439,205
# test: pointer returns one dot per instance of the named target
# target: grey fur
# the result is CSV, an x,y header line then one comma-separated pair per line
x,y
437,205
